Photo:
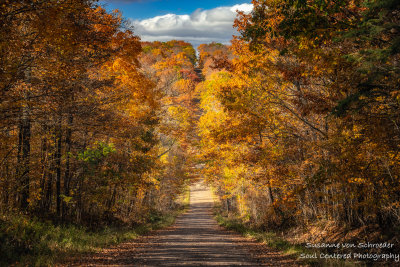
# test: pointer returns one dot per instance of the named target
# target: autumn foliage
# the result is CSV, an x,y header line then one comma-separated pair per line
x,y
304,124
88,132
296,121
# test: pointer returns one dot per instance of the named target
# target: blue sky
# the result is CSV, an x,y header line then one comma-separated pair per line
x,y
143,9
195,21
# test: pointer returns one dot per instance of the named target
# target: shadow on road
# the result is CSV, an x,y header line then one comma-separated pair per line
x,y
194,240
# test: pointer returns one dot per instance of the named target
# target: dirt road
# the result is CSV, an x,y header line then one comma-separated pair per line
x,y
194,240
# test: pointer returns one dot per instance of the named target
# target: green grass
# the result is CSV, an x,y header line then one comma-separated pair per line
x,y
26,241
29,241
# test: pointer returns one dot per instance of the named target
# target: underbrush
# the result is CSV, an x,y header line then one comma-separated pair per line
x,y
278,241
27,241
269,238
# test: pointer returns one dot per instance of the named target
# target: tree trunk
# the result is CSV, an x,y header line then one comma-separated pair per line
x,y
67,174
44,163
58,168
24,148
270,195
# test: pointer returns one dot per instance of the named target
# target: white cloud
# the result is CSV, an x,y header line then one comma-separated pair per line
x,y
202,26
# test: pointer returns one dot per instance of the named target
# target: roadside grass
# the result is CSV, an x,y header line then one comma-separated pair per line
x,y
27,241
269,238
274,241
184,198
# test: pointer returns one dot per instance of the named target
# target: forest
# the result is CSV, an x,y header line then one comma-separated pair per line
x,y
295,124
304,119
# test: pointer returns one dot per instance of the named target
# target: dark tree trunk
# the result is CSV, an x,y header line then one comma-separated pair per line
x,y
67,174
58,168
49,187
270,195
24,149
44,163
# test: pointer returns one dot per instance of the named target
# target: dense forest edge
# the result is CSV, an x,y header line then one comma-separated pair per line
x,y
295,125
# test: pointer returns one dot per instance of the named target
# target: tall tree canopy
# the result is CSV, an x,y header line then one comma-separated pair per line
x,y
307,116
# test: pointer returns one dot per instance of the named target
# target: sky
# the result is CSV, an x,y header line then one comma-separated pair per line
x,y
194,21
